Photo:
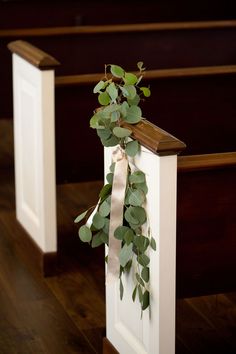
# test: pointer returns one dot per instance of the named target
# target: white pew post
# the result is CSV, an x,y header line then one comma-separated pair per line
x,y
126,332
34,143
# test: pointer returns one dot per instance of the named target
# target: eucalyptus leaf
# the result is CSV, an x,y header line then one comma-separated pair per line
x,y
141,186
117,71
108,199
112,141
134,293
123,109
128,236
105,191
104,209
141,242
104,98
98,221
120,232
127,195
132,148
146,91
137,177
131,217
124,91
128,266
145,274
112,167
112,91
109,177
131,91
153,244
140,294
137,197
111,108
121,289
133,101
115,116
100,85
93,228
121,132
130,79
140,66
125,254
139,279
96,240
104,133
104,236
145,302
105,228
143,259
85,234
95,122
134,115
80,216
104,115
139,213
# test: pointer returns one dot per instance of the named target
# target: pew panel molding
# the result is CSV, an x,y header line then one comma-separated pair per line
x,y
34,146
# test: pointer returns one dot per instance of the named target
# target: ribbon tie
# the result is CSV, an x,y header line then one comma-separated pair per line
x,y
116,213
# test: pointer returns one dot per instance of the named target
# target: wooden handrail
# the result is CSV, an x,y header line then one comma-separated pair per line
x,y
89,79
206,161
33,55
155,139
119,28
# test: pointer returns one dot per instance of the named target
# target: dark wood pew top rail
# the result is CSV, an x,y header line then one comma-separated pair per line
x,y
89,79
33,55
99,29
190,163
155,139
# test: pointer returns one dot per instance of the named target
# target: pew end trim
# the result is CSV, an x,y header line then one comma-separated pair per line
x,y
33,55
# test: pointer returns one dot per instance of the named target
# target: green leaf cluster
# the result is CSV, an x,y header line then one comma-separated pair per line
x,y
119,94
135,245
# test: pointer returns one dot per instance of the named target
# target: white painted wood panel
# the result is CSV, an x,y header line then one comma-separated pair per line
x,y
34,146
155,332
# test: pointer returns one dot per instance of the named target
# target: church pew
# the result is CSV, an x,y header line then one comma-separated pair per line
x,y
159,45
206,182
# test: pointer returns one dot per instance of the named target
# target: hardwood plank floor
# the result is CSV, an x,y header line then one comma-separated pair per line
x,y
66,313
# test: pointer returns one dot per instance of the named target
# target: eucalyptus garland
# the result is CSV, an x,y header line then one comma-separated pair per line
x,y
119,95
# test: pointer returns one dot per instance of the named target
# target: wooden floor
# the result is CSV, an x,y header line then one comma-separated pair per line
x,y
66,313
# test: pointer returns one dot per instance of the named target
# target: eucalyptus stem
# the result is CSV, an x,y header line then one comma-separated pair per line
x,y
119,98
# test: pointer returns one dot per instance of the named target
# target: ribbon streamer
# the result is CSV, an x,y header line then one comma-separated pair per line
x,y
116,213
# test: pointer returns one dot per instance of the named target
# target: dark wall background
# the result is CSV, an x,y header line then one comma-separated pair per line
x,y
26,13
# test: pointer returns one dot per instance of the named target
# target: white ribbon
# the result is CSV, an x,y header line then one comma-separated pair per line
x,y
116,213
